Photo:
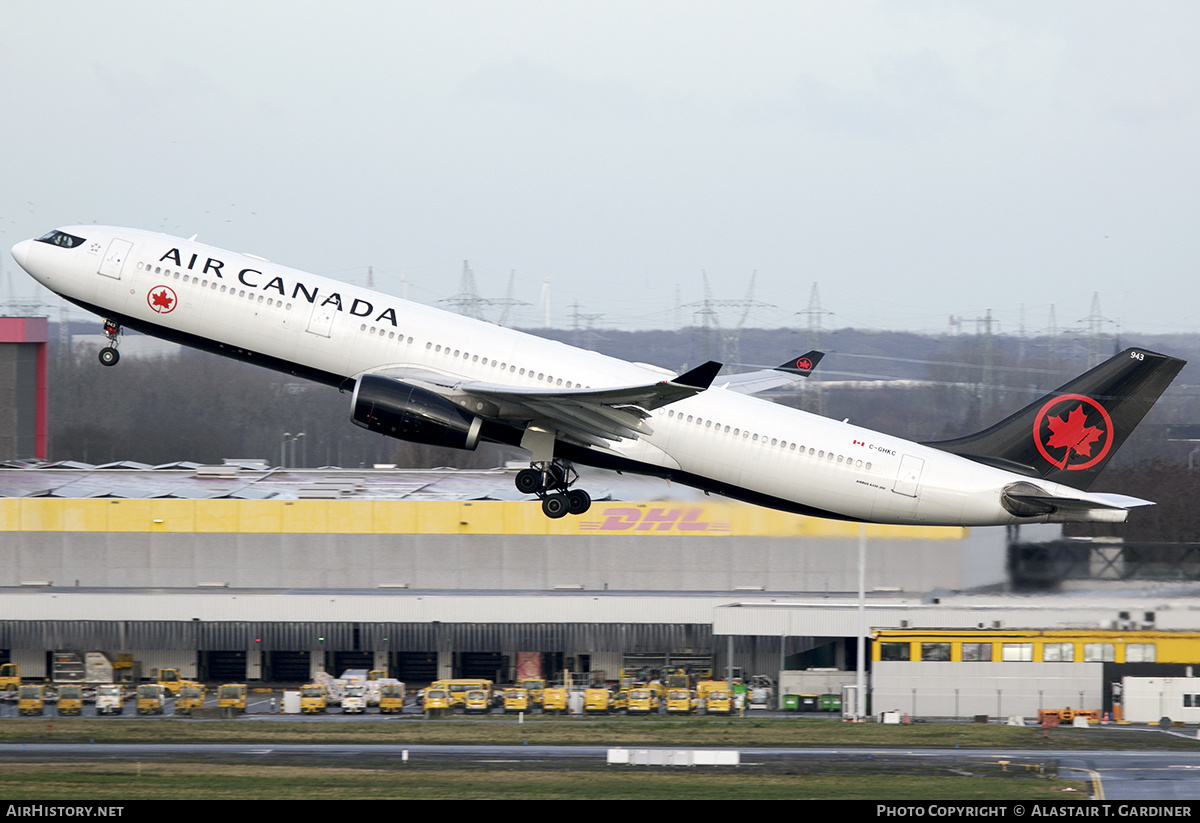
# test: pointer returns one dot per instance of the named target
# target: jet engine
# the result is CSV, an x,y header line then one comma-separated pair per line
x,y
406,412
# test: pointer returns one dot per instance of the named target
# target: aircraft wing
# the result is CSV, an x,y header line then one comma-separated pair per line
x,y
590,416
754,382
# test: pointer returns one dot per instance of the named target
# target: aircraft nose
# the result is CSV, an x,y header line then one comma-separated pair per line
x,y
20,253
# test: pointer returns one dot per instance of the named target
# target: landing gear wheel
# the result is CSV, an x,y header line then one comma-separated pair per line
x,y
578,501
554,506
529,481
551,481
109,356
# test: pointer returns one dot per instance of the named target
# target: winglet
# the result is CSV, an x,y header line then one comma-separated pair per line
x,y
802,365
700,377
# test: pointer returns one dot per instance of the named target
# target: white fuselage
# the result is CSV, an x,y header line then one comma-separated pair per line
x,y
721,440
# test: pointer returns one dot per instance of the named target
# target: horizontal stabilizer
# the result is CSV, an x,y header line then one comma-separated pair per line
x,y
1029,500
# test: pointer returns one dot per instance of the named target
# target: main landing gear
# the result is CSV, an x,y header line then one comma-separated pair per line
x,y
551,482
109,356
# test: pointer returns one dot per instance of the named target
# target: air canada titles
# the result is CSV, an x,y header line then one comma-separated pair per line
x,y
252,278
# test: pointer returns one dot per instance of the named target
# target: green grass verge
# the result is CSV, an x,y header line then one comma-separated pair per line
x,y
121,782
853,776
616,731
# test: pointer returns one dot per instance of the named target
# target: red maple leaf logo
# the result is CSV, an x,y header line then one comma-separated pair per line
x,y
1073,432
162,300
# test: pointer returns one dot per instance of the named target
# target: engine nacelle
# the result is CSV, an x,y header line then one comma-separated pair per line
x,y
406,412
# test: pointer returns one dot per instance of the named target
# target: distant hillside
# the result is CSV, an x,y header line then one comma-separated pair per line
x,y
203,408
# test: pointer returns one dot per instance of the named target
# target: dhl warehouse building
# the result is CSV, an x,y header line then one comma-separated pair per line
x,y
249,573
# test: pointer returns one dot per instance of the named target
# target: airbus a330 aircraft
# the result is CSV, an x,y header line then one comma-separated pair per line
x,y
420,374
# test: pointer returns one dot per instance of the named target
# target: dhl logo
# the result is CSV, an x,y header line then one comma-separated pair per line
x,y
681,520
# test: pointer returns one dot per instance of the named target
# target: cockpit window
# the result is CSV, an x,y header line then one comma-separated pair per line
x,y
61,238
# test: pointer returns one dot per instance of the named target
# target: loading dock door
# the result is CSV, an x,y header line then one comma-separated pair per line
x,y
289,666
226,666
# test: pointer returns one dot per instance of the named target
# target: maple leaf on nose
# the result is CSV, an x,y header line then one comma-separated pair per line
x,y
1073,433
161,299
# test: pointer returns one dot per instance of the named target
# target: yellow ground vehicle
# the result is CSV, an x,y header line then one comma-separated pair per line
x,y
314,698
354,698
110,699
674,677
150,698
191,696
10,677
1067,716
641,700
535,689
391,698
718,701
681,701
477,701
232,695
31,699
620,701
516,700
457,689
437,700
597,701
554,700
710,703
70,699
171,680
377,674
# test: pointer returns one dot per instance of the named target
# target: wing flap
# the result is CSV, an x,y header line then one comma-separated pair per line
x,y
648,396
595,421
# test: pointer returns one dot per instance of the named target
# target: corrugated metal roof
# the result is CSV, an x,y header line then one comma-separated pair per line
x,y
1174,609
266,637
256,482
292,614
337,608
401,620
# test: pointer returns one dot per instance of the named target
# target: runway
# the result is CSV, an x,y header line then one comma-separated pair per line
x,y
1114,776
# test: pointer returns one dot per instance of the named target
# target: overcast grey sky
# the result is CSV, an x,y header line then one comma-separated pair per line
x,y
916,159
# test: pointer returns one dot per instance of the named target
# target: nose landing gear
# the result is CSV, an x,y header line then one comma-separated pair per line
x,y
109,356
551,482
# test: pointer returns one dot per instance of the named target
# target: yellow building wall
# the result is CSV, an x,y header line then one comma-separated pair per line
x,y
652,519
1170,646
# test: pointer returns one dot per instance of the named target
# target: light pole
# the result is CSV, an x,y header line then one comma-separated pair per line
x,y
294,439
860,678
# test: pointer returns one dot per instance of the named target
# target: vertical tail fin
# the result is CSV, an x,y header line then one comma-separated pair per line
x,y
1069,435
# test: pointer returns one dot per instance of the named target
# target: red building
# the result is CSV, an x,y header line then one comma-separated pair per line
x,y
23,387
